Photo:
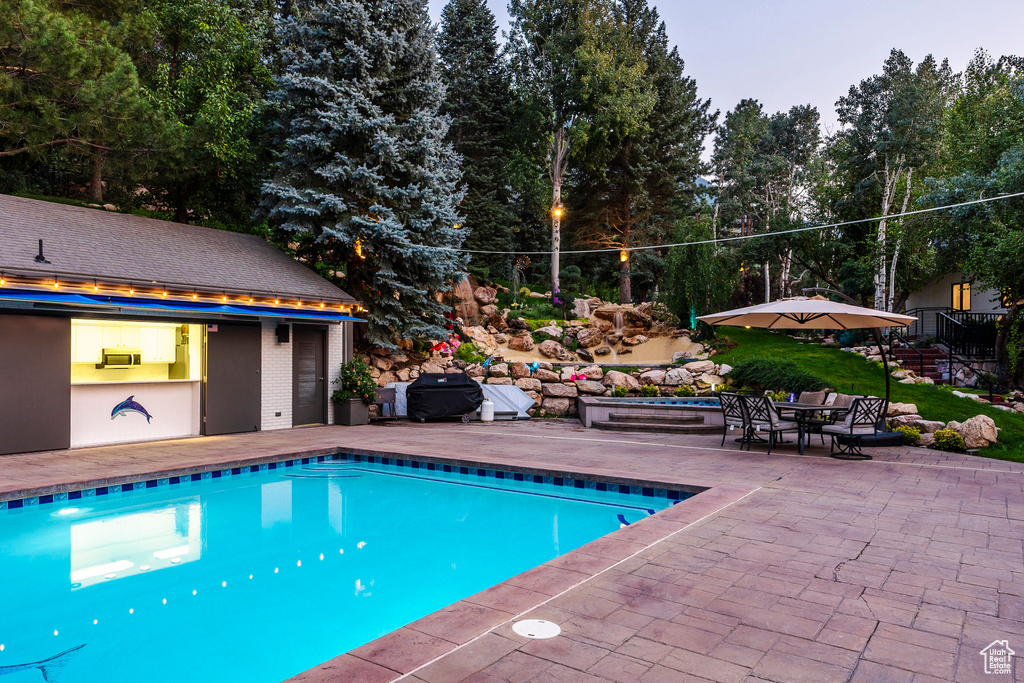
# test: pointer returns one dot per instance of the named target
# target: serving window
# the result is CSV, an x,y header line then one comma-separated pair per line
x,y
132,351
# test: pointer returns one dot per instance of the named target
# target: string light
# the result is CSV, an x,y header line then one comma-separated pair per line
x,y
2,280
194,296
165,293
95,286
56,284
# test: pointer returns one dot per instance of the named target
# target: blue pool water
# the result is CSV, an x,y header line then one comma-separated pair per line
x,y
259,576
681,401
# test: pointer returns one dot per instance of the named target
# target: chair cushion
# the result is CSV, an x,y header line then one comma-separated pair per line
x,y
842,429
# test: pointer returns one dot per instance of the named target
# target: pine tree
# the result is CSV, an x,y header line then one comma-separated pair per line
x,y
638,182
366,181
477,101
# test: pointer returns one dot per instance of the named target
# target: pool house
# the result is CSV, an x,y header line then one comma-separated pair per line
x,y
116,328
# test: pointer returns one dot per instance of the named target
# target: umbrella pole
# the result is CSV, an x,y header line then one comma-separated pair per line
x,y
877,332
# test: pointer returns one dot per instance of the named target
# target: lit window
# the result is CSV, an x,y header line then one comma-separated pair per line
x,y
962,296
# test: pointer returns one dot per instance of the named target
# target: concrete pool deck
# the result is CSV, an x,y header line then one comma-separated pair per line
x,y
787,568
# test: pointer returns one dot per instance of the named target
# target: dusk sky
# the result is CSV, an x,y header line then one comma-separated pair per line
x,y
812,51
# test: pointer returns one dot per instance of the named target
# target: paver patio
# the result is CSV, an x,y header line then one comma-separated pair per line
x,y
787,568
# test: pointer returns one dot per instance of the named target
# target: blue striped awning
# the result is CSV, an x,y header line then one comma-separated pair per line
x,y
42,299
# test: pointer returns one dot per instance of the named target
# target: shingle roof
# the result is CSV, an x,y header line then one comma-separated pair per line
x,y
92,244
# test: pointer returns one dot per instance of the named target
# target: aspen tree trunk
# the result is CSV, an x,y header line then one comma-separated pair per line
x,y
558,150
896,251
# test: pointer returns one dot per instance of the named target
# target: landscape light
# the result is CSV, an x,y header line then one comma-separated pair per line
x,y
623,255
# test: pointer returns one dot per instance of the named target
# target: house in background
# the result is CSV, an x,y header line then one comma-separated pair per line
x,y
116,328
956,313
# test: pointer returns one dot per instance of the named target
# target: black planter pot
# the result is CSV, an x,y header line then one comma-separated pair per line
x,y
351,412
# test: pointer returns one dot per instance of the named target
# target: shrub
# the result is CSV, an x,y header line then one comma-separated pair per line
x,y
684,390
851,338
649,390
775,373
911,434
356,382
949,440
468,352
619,392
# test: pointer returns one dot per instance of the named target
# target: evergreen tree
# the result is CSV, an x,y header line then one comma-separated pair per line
x,y
67,81
366,181
477,102
640,181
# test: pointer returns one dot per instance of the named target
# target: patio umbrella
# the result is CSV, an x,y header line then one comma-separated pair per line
x,y
813,313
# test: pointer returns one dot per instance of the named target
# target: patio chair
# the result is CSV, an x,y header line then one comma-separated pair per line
x,y
762,414
732,413
814,423
861,421
387,396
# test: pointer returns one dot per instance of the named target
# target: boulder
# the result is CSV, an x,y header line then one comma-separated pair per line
x,y
567,373
480,336
589,337
585,355
602,325
485,295
678,376
535,396
589,386
699,367
382,363
613,338
499,380
904,420
497,322
633,317
385,378
476,371
602,350
907,380
978,432
528,384
559,406
724,369
546,375
453,371
559,390
927,439
414,373
581,309
536,295
928,426
1018,407
614,378
374,373
110,207
498,370
656,377
544,365
635,341
625,351
552,349
402,375
902,409
592,372
522,343
488,311
961,394
710,379
687,348
432,367
518,324
519,370
501,338
552,331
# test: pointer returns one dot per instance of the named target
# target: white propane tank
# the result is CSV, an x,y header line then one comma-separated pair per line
x,y
487,410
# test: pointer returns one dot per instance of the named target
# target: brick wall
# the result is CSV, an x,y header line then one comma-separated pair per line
x,y
335,357
277,380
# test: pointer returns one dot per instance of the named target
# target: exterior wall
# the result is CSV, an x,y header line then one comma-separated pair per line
x,y
276,373
339,350
939,293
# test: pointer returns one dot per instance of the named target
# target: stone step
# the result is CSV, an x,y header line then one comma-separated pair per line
x,y
656,419
658,427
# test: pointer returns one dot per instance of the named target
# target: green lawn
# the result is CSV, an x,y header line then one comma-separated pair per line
x,y
850,373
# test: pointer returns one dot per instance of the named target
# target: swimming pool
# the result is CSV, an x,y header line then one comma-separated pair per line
x,y
259,575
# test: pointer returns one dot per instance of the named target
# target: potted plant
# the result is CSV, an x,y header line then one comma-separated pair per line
x,y
358,390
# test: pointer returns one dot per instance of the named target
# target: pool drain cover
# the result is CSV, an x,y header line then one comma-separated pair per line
x,y
536,628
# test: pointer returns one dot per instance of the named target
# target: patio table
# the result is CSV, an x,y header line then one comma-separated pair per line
x,y
802,412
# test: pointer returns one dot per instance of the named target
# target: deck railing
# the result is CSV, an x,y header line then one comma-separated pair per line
x,y
968,334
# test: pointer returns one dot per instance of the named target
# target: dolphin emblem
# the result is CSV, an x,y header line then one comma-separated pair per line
x,y
50,667
129,406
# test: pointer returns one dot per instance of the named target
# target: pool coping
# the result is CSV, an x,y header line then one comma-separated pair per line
x,y
420,643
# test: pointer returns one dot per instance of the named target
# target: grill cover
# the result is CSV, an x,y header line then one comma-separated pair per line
x,y
440,395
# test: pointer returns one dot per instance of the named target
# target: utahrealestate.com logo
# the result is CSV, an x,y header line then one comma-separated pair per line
x,y
998,657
